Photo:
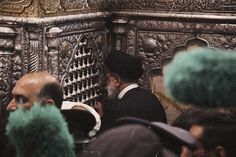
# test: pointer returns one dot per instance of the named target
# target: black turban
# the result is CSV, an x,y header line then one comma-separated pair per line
x,y
125,65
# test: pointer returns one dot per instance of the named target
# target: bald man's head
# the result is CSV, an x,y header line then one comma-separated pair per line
x,y
35,87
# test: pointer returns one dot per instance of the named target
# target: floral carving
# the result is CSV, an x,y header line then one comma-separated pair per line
x,y
154,46
14,6
50,6
175,5
61,7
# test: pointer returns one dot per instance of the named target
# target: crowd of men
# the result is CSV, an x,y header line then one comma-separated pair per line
x,y
130,121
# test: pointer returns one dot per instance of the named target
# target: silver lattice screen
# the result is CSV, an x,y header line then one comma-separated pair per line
x,y
82,81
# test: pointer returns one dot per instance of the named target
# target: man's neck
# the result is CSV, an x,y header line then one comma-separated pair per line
x,y
124,85
125,88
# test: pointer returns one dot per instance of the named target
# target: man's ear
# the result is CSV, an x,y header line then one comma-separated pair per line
x,y
220,151
116,81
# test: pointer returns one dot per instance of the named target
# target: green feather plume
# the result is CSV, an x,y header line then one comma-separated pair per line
x,y
40,132
203,77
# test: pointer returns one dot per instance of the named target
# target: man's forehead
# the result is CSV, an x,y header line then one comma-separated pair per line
x,y
39,75
22,85
27,83
37,78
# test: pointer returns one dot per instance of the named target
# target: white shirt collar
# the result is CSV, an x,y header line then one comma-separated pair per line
x,y
126,89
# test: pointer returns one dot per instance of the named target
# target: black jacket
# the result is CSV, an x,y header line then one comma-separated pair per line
x,y
137,102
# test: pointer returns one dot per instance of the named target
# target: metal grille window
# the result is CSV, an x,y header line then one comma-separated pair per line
x,y
81,82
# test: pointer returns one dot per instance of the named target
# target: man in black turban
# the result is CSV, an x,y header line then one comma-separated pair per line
x,y
125,97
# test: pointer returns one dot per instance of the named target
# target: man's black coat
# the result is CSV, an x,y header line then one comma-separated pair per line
x,y
137,102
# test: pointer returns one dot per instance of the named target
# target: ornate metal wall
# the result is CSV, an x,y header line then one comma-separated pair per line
x,y
157,29
70,47
45,8
69,38
187,6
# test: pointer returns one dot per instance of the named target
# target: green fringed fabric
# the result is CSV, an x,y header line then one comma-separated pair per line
x,y
204,77
40,132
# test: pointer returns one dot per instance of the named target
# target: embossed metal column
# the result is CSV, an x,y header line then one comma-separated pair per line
x,y
119,34
34,50
7,46
53,43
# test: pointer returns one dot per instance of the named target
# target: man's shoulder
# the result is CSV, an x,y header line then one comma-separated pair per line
x,y
141,92
138,96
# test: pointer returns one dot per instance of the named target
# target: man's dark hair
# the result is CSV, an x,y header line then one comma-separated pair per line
x,y
188,118
218,130
54,91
